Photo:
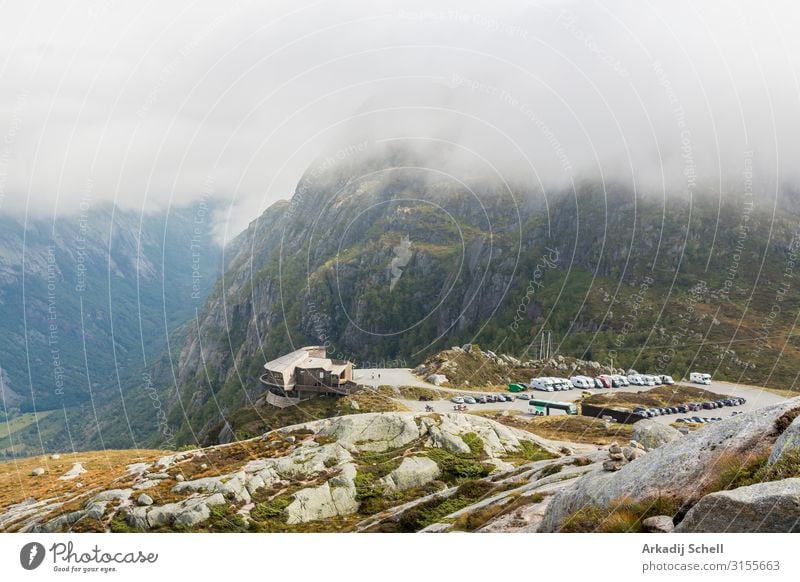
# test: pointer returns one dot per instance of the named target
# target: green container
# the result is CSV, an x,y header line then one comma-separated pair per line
x,y
516,388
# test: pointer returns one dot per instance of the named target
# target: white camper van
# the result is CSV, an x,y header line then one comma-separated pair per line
x,y
543,384
635,380
582,382
700,378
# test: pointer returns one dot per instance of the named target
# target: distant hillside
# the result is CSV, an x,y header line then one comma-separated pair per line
x,y
86,304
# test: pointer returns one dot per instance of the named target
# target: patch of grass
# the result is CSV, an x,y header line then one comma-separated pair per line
x,y
224,518
624,516
480,517
735,470
270,509
434,510
119,524
564,427
786,467
416,392
475,444
456,468
658,396
529,452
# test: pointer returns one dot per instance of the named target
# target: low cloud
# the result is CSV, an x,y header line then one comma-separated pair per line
x,y
157,105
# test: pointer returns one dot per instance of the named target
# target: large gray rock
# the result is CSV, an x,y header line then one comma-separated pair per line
x,y
789,439
230,485
323,502
652,434
682,468
412,472
773,506
436,379
76,470
372,432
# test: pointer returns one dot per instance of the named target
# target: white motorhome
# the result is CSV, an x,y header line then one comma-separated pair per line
x,y
666,379
700,378
623,380
651,380
582,382
562,384
543,384
635,380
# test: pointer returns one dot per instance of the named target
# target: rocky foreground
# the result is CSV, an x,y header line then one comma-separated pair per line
x,y
361,472
404,472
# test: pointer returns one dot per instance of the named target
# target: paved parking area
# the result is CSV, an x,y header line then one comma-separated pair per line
x,y
756,396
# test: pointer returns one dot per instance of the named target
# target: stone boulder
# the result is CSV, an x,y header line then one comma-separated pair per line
x,y
651,434
681,468
658,524
789,439
436,379
76,470
772,506
412,472
323,502
375,432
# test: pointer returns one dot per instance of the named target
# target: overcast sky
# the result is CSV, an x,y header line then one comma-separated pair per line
x,y
150,104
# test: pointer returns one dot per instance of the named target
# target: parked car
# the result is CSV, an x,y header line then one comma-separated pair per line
x,y
697,419
605,381
482,400
523,396
425,398
683,408
470,400
457,400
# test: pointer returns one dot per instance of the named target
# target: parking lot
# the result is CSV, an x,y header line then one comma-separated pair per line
x,y
755,396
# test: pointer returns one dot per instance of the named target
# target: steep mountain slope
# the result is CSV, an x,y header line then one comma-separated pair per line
x,y
86,303
383,261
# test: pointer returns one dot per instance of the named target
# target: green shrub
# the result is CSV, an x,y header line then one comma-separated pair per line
x,y
270,509
432,511
459,467
475,444
224,518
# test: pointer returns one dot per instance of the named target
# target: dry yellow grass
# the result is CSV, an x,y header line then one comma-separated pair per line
x,y
563,427
102,467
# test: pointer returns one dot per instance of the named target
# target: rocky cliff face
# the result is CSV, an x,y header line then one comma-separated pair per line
x,y
387,263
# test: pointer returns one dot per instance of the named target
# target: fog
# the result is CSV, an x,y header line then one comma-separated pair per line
x,y
156,105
